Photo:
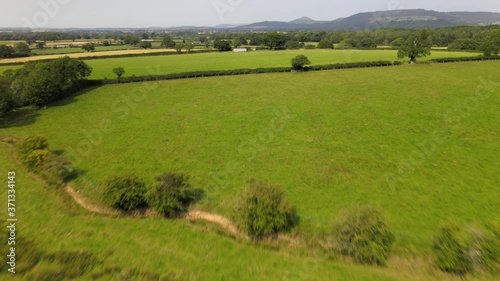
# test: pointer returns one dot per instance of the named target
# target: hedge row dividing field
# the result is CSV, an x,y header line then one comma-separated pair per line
x,y
158,65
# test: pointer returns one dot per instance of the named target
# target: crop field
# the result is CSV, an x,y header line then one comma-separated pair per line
x,y
331,139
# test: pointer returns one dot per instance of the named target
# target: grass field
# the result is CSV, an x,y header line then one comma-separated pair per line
x,y
191,252
329,138
146,65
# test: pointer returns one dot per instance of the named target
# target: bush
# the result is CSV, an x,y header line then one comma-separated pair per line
x,y
36,159
362,233
484,248
57,170
26,146
263,210
450,250
461,252
300,61
171,195
124,192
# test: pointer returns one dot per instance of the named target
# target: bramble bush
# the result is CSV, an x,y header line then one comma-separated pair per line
x,y
362,234
26,146
172,194
461,252
263,210
124,192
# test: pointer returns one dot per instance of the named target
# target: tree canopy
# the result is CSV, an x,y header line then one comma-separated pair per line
x,y
416,45
45,82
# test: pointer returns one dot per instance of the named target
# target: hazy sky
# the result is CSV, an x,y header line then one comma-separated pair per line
x,y
165,13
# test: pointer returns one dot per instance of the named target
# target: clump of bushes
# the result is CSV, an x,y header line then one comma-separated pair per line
x,y
35,155
171,194
461,251
263,210
362,234
125,192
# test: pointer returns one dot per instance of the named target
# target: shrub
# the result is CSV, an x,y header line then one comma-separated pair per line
x,y
36,159
124,192
57,170
30,144
484,248
362,233
450,250
171,195
461,252
300,61
263,210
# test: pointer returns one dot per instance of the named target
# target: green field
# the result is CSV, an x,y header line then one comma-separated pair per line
x,y
146,65
189,251
328,137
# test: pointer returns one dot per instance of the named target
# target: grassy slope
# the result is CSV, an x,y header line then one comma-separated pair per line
x,y
331,140
159,246
146,65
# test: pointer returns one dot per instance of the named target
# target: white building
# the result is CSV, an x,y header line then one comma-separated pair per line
x,y
240,50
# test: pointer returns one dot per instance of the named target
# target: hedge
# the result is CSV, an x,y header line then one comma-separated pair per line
x,y
477,58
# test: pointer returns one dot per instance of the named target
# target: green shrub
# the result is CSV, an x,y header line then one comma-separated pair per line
x,y
461,251
450,250
299,62
36,159
171,194
124,192
362,233
263,210
57,170
26,146
484,248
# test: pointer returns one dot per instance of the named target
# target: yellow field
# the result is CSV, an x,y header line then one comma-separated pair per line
x,y
86,55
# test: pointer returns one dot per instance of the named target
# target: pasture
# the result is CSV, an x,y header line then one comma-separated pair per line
x,y
147,65
330,138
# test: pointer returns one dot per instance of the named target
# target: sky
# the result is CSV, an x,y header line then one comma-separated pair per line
x,y
165,13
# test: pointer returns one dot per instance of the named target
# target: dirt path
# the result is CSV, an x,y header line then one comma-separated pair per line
x,y
194,215
223,222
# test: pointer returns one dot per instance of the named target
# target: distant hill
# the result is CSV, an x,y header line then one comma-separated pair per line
x,y
373,20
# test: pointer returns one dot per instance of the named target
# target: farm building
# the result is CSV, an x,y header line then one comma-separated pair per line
x,y
240,50
77,44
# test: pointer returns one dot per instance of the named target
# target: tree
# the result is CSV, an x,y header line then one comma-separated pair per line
x,y
6,51
106,43
119,71
294,45
146,45
299,62
237,42
263,210
44,82
40,45
89,47
416,45
222,45
491,44
168,42
179,47
325,44
6,101
22,49
274,40
125,192
362,233
172,194
188,47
